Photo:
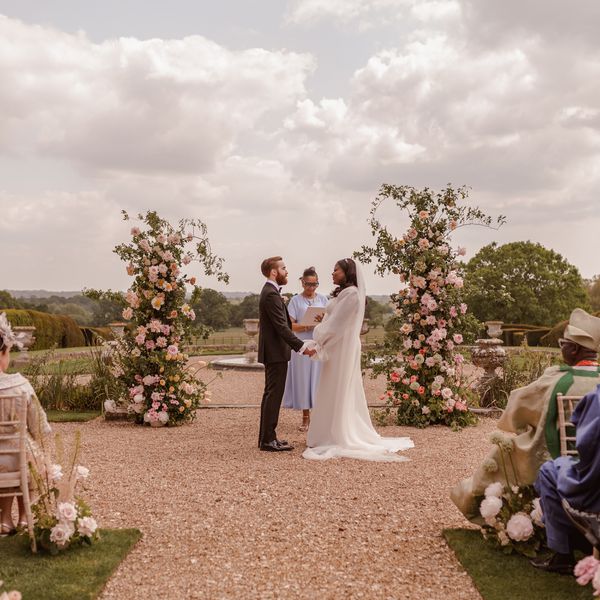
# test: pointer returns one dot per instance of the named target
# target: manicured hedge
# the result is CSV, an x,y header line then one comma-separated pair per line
x,y
93,335
514,333
50,330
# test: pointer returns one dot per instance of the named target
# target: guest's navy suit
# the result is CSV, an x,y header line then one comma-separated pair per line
x,y
275,344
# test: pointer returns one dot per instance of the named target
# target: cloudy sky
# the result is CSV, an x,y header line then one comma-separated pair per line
x,y
276,121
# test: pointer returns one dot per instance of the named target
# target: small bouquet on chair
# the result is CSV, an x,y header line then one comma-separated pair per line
x,y
512,513
62,518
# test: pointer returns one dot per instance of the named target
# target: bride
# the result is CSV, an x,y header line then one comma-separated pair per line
x,y
340,425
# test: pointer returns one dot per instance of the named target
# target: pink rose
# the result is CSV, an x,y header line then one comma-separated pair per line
x,y
172,350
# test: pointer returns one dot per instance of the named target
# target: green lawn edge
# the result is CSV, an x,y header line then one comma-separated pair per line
x,y
66,416
499,576
79,573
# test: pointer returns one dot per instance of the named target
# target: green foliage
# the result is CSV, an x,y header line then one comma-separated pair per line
x,y
212,309
520,369
246,309
522,282
593,289
508,577
425,383
108,306
377,313
73,575
50,330
7,301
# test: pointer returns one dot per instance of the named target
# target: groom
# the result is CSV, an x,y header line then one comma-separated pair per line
x,y
275,338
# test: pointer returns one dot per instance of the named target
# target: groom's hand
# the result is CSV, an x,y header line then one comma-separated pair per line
x,y
308,352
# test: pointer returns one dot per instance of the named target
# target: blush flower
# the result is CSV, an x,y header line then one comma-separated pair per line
x,y
490,507
519,527
86,526
66,511
61,533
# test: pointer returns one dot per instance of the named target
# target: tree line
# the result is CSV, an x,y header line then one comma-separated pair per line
x,y
519,282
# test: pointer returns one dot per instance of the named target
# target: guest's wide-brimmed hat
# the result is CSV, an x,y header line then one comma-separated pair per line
x,y
583,329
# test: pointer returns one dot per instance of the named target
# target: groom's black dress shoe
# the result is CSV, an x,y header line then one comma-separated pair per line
x,y
274,446
555,563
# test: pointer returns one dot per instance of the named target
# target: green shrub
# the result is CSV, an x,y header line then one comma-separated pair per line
x,y
50,330
95,335
520,369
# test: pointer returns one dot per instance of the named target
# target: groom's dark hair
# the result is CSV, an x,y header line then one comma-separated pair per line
x,y
349,267
268,264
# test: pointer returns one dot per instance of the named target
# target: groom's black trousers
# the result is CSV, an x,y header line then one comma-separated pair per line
x,y
275,374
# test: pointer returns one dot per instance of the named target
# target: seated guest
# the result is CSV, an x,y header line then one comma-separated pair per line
x,y
531,413
37,424
577,480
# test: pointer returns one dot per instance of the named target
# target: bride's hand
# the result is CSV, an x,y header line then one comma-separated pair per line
x,y
318,318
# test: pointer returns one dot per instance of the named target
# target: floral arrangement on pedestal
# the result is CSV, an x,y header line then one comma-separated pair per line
x,y
425,382
161,390
512,513
62,517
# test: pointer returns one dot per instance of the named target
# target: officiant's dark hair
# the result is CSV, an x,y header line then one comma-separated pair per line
x,y
349,267
309,272
268,264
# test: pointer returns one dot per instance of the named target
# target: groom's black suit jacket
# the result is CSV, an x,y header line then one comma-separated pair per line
x,y
275,337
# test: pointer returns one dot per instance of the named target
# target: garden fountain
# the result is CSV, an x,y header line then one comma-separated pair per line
x,y
247,362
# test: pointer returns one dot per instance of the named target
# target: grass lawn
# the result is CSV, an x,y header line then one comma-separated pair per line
x,y
76,574
509,577
67,416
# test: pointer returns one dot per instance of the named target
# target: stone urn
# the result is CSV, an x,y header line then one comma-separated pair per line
x,y
494,328
489,355
24,334
251,329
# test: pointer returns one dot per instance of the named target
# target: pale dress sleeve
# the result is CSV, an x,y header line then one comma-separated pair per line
x,y
332,329
293,308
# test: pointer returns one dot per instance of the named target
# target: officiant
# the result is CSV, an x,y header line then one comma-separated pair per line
x,y
303,373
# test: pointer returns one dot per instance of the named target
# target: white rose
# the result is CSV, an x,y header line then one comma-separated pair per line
x,y
490,507
494,489
82,472
61,533
519,527
163,416
66,511
138,398
87,526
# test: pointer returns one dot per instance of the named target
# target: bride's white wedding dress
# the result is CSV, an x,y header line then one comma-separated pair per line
x,y
340,424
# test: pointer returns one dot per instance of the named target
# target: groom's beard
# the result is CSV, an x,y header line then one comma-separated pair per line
x,y
281,279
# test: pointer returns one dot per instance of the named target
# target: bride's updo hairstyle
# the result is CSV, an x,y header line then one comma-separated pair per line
x,y
349,267
3,346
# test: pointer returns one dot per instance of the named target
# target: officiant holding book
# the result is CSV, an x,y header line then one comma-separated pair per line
x,y
303,373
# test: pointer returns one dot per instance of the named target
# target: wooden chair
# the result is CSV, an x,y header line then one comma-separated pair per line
x,y
13,427
566,431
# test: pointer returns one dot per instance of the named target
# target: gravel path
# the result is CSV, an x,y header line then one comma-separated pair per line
x,y
222,520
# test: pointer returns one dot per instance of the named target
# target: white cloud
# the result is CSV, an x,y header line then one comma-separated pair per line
x,y
126,104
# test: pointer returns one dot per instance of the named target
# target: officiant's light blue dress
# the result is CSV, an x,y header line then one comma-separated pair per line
x,y
303,373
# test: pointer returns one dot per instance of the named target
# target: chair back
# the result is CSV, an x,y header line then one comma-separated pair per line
x,y
13,437
566,430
